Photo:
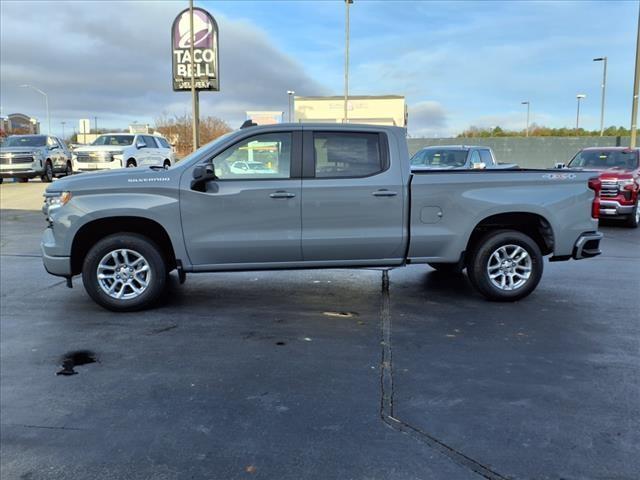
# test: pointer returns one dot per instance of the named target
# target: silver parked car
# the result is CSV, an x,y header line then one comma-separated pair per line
x,y
31,156
456,157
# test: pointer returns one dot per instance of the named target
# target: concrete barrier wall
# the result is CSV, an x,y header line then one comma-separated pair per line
x,y
531,152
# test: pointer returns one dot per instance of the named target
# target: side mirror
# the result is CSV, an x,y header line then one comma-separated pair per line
x,y
140,144
561,165
53,147
201,175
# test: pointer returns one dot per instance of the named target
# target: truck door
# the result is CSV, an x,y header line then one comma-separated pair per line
x,y
352,198
245,218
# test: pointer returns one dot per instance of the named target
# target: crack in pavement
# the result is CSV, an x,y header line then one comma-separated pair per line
x,y
40,426
387,397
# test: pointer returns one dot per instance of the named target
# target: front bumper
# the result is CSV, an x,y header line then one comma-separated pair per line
x,y
20,173
613,208
94,166
587,245
55,265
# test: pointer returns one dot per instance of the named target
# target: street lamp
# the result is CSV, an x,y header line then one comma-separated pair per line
x,y
46,103
63,124
528,105
346,59
290,93
604,88
579,97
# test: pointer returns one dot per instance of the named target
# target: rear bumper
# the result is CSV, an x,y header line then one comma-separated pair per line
x,y
587,245
613,208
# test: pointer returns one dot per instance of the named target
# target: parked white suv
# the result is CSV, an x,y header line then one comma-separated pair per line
x,y
118,150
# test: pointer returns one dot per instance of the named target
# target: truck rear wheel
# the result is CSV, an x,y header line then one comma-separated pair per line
x,y
124,272
505,266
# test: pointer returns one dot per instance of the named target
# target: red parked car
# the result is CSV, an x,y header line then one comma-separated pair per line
x,y
619,169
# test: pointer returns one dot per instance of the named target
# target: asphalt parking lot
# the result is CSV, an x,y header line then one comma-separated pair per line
x,y
320,374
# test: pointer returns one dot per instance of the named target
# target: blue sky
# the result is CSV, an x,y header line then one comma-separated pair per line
x,y
458,63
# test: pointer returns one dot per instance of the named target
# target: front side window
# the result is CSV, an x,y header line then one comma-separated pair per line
x,y
163,143
475,157
151,143
347,154
266,156
486,157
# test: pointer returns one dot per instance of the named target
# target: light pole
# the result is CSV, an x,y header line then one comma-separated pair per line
x,y
346,59
579,97
604,88
63,124
290,94
636,81
528,105
46,103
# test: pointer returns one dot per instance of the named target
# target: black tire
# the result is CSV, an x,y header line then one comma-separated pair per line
x,y
131,163
633,220
140,245
1,180
68,171
23,180
48,172
478,265
448,268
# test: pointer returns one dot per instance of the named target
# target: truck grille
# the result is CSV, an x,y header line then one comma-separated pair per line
x,y
14,160
609,189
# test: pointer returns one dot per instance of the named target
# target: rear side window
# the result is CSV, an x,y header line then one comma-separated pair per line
x,y
343,154
486,157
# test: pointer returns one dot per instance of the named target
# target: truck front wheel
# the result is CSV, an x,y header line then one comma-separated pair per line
x,y
505,266
124,272
633,220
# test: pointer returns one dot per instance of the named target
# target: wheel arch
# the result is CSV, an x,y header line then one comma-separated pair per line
x,y
93,231
531,224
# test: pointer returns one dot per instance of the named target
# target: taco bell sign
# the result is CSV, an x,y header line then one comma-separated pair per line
x,y
205,51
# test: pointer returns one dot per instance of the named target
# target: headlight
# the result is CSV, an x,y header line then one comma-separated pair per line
x,y
37,153
55,200
622,183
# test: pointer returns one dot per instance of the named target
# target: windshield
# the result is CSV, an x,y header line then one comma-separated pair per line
x,y
35,141
605,159
439,158
116,140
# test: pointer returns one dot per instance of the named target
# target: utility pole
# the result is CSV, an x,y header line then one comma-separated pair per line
x,y
46,104
528,104
634,105
604,88
346,60
63,124
95,124
195,104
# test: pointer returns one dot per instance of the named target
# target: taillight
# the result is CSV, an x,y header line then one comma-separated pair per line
x,y
596,185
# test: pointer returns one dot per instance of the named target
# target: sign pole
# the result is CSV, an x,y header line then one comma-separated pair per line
x,y
195,101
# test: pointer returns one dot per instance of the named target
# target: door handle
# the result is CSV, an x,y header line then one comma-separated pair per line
x,y
384,193
281,194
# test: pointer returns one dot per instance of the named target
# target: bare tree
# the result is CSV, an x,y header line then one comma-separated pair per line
x,y
177,129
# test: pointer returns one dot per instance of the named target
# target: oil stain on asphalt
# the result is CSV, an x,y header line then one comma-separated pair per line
x,y
72,359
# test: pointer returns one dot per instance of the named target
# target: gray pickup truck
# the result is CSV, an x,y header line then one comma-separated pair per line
x,y
329,196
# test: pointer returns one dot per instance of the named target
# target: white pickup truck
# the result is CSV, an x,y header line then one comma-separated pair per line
x,y
328,196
